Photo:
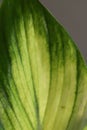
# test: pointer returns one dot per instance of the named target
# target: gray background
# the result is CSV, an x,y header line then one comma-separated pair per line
x,y
72,14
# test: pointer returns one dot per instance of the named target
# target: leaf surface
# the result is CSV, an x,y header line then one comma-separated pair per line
x,y
43,77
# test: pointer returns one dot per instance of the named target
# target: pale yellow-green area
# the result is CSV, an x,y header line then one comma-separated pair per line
x,y
43,78
85,128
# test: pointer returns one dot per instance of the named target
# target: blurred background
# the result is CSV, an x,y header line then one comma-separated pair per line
x,y
72,14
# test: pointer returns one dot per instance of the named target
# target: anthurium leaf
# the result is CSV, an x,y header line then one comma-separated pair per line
x,y
43,77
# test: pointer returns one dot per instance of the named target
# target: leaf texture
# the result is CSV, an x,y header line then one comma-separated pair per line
x,y
43,77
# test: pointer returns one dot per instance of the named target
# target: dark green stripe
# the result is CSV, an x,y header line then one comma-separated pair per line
x,y
80,65
5,109
5,89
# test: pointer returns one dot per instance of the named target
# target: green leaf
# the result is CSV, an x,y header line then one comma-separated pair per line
x,y
43,77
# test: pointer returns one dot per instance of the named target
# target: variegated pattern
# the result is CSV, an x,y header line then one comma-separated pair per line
x,y
43,78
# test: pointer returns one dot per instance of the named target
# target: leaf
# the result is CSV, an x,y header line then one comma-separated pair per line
x,y
43,77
